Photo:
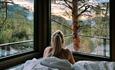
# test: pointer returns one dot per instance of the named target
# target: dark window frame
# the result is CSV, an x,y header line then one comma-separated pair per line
x,y
83,56
41,36
112,32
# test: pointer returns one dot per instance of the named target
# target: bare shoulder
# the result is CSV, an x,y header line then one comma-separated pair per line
x,y
46,51
48,48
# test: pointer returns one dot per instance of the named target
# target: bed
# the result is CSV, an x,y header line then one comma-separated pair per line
x,y
53,63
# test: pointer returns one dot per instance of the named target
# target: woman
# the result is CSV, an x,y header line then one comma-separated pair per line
x,y
57,48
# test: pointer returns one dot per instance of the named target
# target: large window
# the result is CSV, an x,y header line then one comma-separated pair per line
x,y
93,22
19,19
16,26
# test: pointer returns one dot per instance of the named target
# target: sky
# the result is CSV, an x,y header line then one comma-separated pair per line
x,y
29,4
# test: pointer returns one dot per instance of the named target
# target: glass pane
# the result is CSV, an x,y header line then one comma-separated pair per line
x,y
60,20
93,21
16,26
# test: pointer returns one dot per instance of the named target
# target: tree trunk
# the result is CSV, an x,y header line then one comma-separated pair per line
x,y
75,25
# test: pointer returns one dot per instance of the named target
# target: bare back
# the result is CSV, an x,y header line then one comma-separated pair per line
x,y
64,54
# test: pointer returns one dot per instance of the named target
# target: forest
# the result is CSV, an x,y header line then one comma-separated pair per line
x,y
16,23
16,27
90,24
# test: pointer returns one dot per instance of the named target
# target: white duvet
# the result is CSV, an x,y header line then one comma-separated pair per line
x,y
53,63
94,65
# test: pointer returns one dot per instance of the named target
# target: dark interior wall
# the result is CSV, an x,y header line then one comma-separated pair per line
x,y
112,30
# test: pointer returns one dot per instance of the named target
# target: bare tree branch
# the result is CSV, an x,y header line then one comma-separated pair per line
x,y
68,13
87,7
69,1
81,6
60,23
5,10
67,4
7,2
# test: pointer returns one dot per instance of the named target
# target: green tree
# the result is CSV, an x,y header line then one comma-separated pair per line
x,y
14,25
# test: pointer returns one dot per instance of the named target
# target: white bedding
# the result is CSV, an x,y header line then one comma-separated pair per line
x,y
50,63
94,65
53,63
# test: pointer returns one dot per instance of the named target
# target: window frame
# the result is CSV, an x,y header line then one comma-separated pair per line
x,y
42,40
41,36
83,56
112,32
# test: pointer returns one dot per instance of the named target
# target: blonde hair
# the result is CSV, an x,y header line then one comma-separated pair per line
x,y
57,42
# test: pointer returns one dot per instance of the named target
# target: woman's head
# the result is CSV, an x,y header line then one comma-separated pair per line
x,y
57,41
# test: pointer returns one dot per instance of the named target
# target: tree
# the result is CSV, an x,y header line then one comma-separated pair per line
x,y
14,24
77,7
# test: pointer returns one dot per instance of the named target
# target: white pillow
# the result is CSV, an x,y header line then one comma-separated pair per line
x,y
54,62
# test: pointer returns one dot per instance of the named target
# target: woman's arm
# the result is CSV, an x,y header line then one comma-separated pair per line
x,y
46,51
71,58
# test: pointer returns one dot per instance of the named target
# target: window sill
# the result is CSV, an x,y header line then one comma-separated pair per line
x,y
11,61
84,56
